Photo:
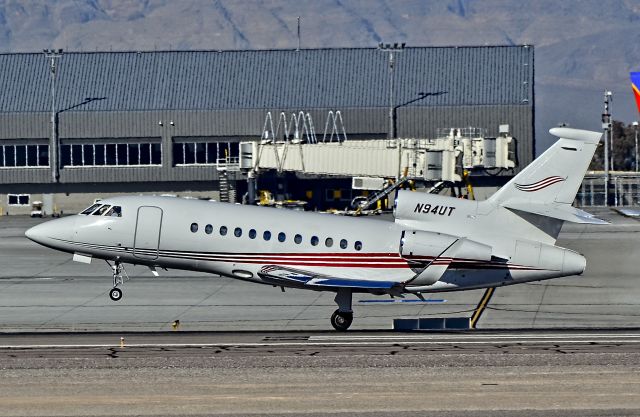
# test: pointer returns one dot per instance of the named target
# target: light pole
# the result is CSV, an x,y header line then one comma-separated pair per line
x,y
606,125
391,49
53,55
611,147
635,127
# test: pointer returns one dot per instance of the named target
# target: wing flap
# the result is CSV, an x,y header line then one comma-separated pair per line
x,y
304,279
353,283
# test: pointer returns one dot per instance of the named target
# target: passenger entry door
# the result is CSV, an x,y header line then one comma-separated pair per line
x,y
147,237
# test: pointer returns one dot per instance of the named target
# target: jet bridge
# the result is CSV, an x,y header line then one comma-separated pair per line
x,y
437,159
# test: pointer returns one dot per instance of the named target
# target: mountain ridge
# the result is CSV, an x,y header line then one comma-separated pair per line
x,y
582,47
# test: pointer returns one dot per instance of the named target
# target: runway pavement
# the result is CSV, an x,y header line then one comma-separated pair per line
x,y
61,352
43,290
534,373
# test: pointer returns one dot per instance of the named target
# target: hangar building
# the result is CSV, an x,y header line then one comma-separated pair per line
x,y
162,121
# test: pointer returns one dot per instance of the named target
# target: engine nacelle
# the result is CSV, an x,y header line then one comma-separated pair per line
x,y
420,244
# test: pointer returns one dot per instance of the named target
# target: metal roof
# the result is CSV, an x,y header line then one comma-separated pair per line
x,y
305,79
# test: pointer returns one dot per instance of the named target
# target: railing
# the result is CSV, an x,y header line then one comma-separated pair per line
x,y
624,190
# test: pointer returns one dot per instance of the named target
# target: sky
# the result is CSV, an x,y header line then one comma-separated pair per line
x,y
582,47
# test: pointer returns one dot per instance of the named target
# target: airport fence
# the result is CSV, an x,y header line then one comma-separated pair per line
x,y
624,190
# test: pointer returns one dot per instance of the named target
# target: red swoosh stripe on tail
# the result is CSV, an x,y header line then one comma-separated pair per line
x,y
539,185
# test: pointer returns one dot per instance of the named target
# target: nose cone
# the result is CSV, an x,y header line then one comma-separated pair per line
x,y
54,233
573,263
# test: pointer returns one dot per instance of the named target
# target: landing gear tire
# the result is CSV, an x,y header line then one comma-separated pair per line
x,y
115,294
341,320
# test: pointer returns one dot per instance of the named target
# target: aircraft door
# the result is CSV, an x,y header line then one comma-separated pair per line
x,y
147,237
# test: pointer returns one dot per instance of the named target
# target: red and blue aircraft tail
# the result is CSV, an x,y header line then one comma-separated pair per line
x,y
635,84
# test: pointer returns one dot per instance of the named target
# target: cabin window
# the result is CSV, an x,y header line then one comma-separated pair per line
x,y
208,229
328,242
297,239
101,210
115,211
237,232
282,237
223,230
194,227
266,235
343,244
357,245
252,234
90,209
314,240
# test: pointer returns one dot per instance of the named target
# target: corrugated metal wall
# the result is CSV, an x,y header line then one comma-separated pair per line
x,y
312,78
239,125
227,94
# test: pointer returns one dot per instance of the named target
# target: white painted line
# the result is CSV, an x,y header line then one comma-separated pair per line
x,y
228,345
467,337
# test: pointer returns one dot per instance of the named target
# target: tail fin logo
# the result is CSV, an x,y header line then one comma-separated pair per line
x,y
635,84
539,185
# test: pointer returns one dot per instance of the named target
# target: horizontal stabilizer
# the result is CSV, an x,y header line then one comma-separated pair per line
x,y
278,275
563,212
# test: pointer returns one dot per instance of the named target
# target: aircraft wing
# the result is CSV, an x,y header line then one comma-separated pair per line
x,y
279,275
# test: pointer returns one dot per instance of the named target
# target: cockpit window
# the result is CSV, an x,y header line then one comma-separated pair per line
x,y
101,210
90,210
115,211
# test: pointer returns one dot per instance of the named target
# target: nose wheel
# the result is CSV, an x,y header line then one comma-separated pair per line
x,y
115,294
118,279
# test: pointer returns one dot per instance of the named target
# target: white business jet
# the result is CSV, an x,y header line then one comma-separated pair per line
x,y
436,243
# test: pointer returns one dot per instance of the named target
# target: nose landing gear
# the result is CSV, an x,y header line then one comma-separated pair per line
x,y
115,294
118,279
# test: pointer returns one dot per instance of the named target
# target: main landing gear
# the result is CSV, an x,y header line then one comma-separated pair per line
x,y
118,279
342,318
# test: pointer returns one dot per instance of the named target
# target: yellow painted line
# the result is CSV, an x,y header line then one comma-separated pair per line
x,y
482,305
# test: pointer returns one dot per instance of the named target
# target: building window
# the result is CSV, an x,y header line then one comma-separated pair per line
x,y
18,199
24,155
200,151
111,154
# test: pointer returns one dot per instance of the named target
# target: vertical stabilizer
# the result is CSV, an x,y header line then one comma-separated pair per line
x,y
555,176
635,85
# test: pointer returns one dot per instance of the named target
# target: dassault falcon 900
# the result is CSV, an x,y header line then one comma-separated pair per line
x,y
436,243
